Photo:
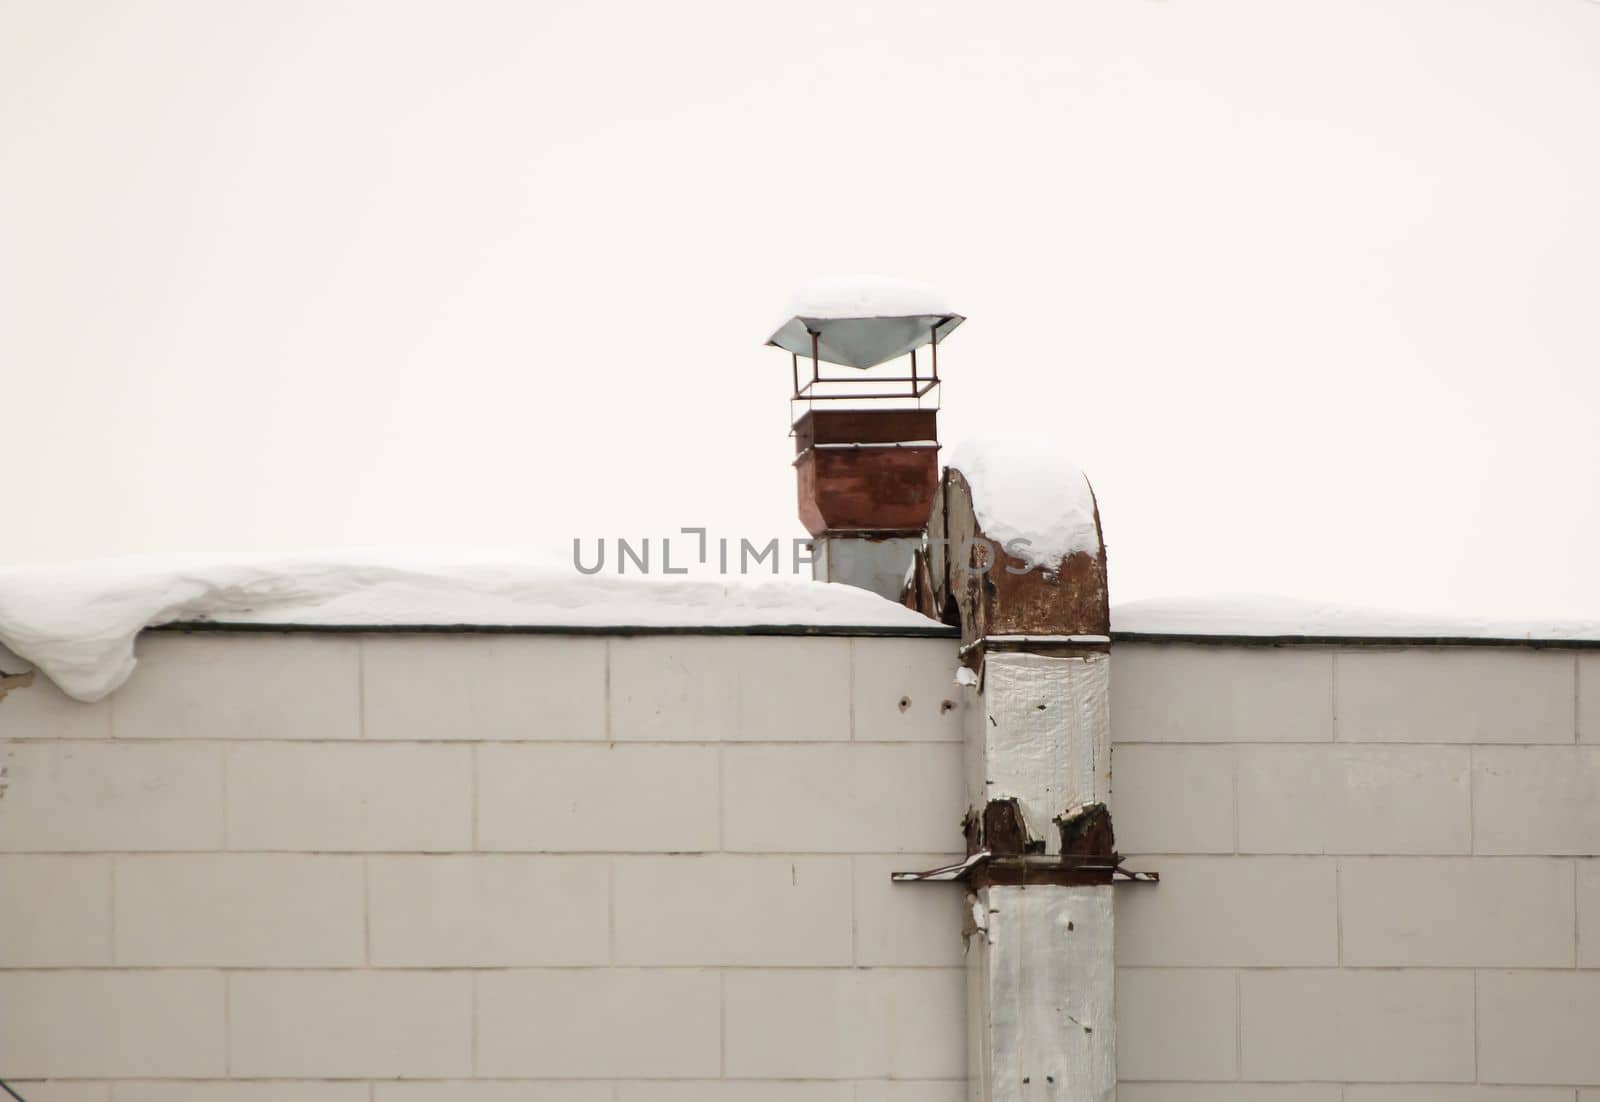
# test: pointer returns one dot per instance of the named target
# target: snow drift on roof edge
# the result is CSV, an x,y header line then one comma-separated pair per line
x,y
1259,616
77,622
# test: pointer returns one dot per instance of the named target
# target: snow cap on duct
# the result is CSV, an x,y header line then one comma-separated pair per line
x,y
864,320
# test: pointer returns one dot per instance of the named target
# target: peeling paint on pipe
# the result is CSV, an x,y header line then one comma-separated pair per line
x,y
1043,973
1047,744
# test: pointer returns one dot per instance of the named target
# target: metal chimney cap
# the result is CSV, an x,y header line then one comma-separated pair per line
x,y
862,321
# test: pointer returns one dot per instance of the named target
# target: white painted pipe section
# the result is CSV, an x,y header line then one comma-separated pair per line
x,y
1040,981
1042,996
1046,739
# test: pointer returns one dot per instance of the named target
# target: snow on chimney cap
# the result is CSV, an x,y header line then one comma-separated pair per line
x,y
864,320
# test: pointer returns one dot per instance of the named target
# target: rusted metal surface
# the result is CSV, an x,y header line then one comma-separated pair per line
x,y
1063,871
810,393
983,869
937,600
957,871
864,426
1088,846
1001,850
995,594
1005,830
1086,832
972,831
1025,871
872,489
918,593
1002,830
9,681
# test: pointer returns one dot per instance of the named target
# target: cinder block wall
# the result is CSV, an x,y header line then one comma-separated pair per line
x,y
323,868
1377,874
542,868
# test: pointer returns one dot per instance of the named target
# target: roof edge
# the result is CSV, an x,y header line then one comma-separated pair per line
x,y
932,631
1354,640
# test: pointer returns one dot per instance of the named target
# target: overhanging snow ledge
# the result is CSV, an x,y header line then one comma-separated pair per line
x,y
78,622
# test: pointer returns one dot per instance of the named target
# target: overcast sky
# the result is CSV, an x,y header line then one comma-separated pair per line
x,y
1309,289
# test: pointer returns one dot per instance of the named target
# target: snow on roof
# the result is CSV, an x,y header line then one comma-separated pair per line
x,y
1287,618
866,296
78,622
1025,488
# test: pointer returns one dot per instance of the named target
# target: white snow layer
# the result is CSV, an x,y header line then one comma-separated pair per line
x,y
1263,616
1025,488
78,622
866,296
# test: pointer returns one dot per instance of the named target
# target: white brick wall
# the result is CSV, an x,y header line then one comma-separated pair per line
x,y
600,1023
350,1024
1588,891
764,693
1458,912
349,796
842,798
66,1024
1356,1025
1539,1027
1232,1092
732,910
1177,1024
1389,896
1470,694
1192,920
559,798
82,796
454,868
487,911
1354,799
257,687
1220,694
500,687
842,1024
1563,782
67,919
176,1091
246,910
894,926
1589,698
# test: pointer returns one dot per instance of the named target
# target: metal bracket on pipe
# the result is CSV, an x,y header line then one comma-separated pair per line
x,y
958,871
984,867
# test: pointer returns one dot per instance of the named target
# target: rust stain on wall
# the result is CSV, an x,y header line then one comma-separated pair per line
x,y
9,681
